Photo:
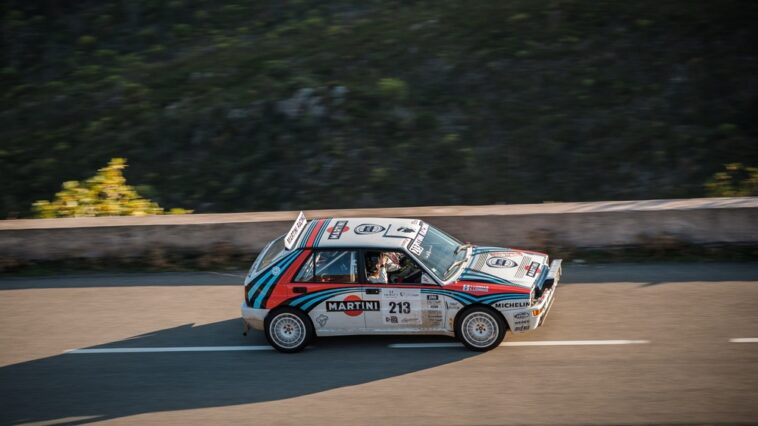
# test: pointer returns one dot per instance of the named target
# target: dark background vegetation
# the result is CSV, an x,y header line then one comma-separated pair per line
x,y
256,105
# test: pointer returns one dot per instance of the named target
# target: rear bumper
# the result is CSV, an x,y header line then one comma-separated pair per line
x,y
253,317
537,313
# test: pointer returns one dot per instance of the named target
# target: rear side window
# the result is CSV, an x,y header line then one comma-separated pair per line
x,y
274,250
330,266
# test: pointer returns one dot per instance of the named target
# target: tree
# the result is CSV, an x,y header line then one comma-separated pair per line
x,y
105,194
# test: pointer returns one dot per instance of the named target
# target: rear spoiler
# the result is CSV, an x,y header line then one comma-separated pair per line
x,y
295,231
554,275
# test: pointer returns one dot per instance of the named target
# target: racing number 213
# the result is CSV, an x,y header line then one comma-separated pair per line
x,y
400,307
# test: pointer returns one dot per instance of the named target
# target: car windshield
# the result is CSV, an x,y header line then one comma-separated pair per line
x,y
438,251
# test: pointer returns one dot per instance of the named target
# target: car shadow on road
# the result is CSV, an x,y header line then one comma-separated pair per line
x,y
82,388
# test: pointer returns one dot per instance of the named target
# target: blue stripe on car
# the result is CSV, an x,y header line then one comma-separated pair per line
x,y
271,279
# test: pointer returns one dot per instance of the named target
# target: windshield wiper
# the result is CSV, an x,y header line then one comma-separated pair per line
x,y
456,263
463,247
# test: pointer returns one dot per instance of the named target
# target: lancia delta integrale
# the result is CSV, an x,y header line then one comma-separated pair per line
x,y
347,276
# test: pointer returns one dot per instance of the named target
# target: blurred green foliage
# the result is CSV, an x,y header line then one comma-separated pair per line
x,y
105,194
236,105
735,181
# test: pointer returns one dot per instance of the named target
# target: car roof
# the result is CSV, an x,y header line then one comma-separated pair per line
x,y
361,232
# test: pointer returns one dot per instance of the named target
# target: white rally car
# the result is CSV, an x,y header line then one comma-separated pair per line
x,y
334,277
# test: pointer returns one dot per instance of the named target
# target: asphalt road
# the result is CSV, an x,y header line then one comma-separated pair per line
x,y
688,373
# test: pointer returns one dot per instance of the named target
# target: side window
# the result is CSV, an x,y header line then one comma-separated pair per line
x,y
392,267
330,266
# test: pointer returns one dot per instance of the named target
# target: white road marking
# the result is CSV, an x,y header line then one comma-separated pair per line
x,y
532,343
744,340
169,349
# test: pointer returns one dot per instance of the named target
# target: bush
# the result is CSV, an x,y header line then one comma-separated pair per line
x,y
105,194
736,181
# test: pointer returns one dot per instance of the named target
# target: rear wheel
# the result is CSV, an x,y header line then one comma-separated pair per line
x,y
480,328
288,330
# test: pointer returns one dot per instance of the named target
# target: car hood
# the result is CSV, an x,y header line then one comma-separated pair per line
x,y
497,265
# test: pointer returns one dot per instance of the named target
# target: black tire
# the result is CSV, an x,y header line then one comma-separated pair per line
x,y
480,328
288,330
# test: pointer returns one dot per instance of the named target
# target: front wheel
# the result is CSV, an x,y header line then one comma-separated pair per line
x,y
288,330
480,329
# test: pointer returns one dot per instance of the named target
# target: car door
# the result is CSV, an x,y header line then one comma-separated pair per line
x,y
404,306
327,287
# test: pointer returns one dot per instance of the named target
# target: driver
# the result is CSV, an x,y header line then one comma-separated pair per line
x,y
381,265
378,270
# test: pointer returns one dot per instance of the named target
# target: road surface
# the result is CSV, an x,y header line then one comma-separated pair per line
x,y
624,345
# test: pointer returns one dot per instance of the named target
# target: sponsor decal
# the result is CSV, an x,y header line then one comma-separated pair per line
x,y
521,328
511,304
416,245
500,262
321,320
352,306
401,293
467,287
505,254
434,305
390,319
452,304
275,271
295,231
405,229
368,228
521,315
522,322
432,297
335,232
532,269
433,318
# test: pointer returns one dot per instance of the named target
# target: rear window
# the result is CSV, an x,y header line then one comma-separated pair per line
x,y
274,250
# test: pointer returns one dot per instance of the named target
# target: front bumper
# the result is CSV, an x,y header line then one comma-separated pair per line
x,y
537,313
253,317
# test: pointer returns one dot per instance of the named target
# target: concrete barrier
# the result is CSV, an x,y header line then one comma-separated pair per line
x,y
591,225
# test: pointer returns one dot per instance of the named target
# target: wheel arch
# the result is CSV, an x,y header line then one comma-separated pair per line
x,y
460,313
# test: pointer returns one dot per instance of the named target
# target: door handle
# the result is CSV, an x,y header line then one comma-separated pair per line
x,y
372,291
299,290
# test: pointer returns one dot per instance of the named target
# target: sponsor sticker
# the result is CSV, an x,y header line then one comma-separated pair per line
x,y
532,269
401,293
432,297
468,287
452,304
521,328
501,262
521,315
416,245
505,254
295,231
368,228
522,322
275,271
321,320
512,304
335,232
353,306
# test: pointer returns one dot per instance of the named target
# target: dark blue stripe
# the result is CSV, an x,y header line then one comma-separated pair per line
x,y
284,264
265,274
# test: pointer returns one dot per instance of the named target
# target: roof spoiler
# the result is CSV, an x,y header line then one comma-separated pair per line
x,y
295,231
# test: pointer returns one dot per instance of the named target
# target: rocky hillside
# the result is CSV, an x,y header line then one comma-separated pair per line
x,y
238,105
